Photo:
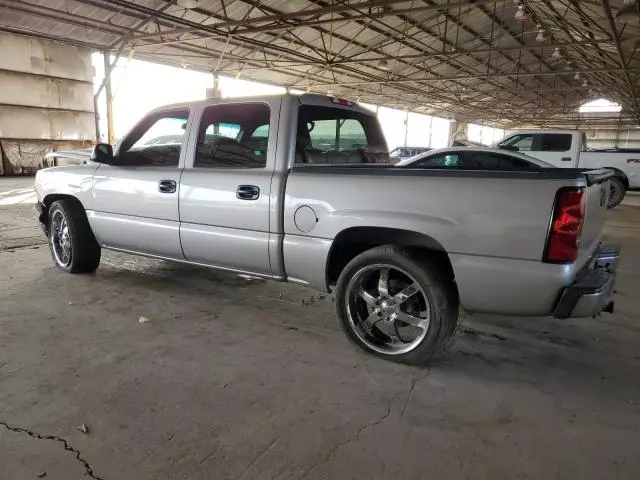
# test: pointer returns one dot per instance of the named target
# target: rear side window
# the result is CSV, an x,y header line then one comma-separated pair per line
x,y
450,160
233,136
482,161
555,142
327,135
494,161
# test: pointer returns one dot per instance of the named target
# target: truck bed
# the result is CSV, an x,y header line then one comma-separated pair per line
x,y
491,224
591,176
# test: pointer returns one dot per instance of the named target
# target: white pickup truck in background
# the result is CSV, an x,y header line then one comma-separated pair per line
x,y
568,149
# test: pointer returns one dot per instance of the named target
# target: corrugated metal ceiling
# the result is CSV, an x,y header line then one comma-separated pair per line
x,y
469,59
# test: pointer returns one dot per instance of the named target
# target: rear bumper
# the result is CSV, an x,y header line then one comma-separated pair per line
x,y
591,292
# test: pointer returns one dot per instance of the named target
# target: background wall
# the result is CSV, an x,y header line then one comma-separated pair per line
x,y
46,101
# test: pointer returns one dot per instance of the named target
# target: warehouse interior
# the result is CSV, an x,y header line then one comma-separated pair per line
x,y
240,378
498,64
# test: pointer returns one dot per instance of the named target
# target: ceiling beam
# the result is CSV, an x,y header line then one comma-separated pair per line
x,y
275,20
625,69
465,77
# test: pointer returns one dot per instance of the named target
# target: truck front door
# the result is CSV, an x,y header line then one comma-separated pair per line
x,y
136,197
225,190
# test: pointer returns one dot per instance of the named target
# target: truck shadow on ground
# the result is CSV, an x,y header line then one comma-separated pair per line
x,y
586,359
585,355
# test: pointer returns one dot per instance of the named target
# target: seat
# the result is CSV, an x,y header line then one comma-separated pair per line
x,y
227,152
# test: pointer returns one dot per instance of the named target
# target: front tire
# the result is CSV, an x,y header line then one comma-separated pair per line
x,y
617,191
396,305
73,247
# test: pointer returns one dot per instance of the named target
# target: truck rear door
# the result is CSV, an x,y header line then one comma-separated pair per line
x,y
225,189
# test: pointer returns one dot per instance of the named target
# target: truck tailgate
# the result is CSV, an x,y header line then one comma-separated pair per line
x,y
596,196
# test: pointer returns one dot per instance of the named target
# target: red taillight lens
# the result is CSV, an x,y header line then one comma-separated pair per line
x,y
342,101
563,243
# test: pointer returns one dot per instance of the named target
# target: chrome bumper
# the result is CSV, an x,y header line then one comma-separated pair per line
x,y
591,292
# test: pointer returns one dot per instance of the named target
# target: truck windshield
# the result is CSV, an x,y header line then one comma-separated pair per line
x,y
328,135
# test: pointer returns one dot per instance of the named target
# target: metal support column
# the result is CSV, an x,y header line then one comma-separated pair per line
x,y
406,127
108,70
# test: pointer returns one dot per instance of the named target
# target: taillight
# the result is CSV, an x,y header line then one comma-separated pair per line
x,y
563,243
342,101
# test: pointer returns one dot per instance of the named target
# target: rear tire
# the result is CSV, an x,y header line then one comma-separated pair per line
x,y
617,190
396,305
73,247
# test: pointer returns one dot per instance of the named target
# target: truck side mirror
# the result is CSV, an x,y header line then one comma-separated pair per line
x,y
102,153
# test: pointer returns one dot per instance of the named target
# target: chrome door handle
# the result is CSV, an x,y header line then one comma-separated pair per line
x,y
247,192
167,186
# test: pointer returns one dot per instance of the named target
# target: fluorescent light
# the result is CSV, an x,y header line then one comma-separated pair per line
x,y
383,64
521,14
188,4
542,36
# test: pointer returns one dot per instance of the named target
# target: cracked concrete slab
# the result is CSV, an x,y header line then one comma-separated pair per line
x,y
234,378
27,457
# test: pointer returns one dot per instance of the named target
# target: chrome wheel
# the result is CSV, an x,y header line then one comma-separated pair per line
x,y
60,239
387,309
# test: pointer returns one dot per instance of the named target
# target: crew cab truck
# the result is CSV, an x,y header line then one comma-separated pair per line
x,y
568,149
299,189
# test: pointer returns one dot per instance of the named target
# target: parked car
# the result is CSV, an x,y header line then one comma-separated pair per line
x,y
474,158
568,149
400,153
401,248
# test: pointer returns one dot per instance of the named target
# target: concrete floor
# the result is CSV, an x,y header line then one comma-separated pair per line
x,y
245,379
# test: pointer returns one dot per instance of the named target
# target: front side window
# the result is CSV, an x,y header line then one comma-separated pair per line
x,y
328,135
233,136
519,143
156,141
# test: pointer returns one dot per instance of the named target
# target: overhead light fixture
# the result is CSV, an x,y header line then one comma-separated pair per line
x,y
557,54
542,36
188,4
585,83
577,76
383,64
521,14
630,12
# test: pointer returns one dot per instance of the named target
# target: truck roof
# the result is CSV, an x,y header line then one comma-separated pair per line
x,y
304,99
546,130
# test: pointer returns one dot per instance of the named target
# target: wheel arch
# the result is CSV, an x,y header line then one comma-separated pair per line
x,y
352,241
619,174
48,200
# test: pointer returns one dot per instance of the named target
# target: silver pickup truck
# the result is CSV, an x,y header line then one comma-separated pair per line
x,y
299,189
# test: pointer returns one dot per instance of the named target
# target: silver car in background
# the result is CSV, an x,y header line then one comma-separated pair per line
x,y
474,158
